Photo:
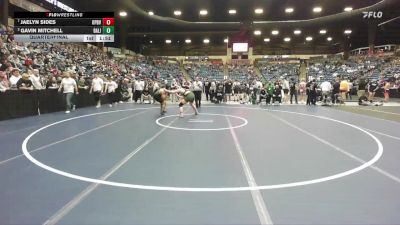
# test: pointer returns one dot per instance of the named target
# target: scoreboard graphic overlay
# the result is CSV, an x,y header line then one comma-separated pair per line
x,y
64,26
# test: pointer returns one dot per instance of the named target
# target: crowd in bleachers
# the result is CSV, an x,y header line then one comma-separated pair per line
x,y
370,66
273,71
205,70
241,72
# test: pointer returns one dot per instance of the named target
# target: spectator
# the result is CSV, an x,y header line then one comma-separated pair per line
x,y
145,96
270,92
386,90
36,79
68,85
138,89
302,91
344,89
207,85
293,90
312,93
263,95
335,91
97,89
361,87
52,82
228,90
285,87
111,87
372,88
25,83
4,84
326,88
15,77
277,95
82,83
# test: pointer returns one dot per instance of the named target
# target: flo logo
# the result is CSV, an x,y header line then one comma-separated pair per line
x,y
371,14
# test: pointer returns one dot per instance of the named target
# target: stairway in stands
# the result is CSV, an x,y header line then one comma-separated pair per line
x,y
303,71
259,75
226,71
185,73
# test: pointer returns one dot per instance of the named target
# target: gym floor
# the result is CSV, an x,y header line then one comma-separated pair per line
x,y
232,164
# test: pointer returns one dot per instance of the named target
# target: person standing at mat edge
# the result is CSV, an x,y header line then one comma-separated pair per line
x,y
69,86
97,88
185,96
110,88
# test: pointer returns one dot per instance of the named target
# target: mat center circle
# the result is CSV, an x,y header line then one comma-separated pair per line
x,y
203,122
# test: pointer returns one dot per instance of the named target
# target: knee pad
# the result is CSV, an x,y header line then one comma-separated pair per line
x,y
181,104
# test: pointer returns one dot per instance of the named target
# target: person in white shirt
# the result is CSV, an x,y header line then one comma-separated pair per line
x,y
4,85
139,87
213,90
326,88
15,76
257,88
68,85
36,80
97,88
197,91
110,88
285,88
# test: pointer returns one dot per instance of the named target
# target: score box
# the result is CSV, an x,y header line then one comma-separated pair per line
x,y
108,21
108,30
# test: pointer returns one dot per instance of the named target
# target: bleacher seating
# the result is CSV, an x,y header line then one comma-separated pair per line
x,y
205,70
273,71
241,72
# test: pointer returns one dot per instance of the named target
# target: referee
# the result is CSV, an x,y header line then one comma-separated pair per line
x,y
197,91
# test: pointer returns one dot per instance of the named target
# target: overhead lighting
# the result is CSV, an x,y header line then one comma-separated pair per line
x,y
226,40
267,40
297,32
348,31
257,32
232,11
259,11
317,9
168,41
188,41
177,13
151,13
123,13
151,42
309,38
289,10
203,12
322,31
206,41
287,39
348,9
275,32
329,39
